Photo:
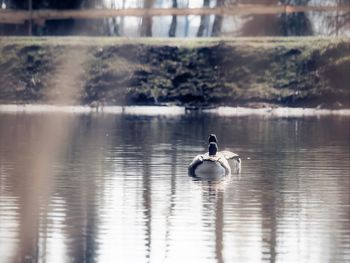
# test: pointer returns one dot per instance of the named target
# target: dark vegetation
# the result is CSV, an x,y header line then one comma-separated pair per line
x,y
24,72
255,72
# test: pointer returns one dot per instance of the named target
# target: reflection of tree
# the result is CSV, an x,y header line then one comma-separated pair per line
x,y
147,201
219,227
174,164
134,127
85,187
33,175
80,183
213,213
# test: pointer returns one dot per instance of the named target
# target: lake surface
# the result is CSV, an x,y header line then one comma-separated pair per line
x,y
114,188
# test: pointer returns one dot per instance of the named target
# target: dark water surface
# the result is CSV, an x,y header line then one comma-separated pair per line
x,y
114,188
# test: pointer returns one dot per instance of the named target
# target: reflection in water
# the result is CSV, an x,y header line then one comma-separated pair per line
x,y
96,188
31,161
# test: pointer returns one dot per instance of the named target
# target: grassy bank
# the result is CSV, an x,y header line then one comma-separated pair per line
x,y
199,72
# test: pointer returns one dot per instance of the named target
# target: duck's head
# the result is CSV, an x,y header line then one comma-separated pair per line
x,y
212,138
213,148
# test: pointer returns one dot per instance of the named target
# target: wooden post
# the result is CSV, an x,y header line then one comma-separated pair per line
x,y
30,22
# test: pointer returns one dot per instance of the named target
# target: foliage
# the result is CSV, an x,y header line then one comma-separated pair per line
x,y
286,71
24,71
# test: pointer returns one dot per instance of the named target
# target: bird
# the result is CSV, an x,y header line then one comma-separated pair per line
x,y
3,5
211,165
233,159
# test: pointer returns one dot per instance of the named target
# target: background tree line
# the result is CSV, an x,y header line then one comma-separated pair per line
x,y
285,24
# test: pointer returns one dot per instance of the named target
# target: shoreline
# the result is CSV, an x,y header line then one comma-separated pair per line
x,y
221,111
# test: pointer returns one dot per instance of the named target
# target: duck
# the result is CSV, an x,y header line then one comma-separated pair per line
x,y
233,159
211,165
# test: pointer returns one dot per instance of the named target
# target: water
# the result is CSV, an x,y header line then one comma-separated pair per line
x,y
114,188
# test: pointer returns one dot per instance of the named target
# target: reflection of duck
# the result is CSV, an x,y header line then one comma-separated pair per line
x,y
233,158
212,164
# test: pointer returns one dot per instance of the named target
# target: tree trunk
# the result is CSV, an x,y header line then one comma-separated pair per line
x,y
204,18
187,21
172,30
115,26
30,22
217,26
146,22
121,28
